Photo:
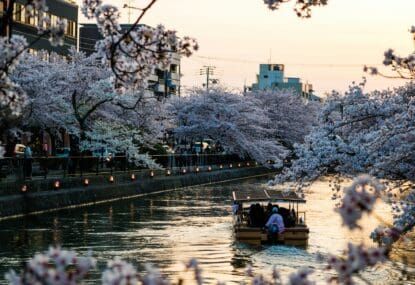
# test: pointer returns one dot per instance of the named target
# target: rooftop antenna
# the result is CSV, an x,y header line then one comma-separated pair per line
x,y
129,11
270,56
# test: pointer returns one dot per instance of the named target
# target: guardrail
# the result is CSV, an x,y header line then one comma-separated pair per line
x,y
20,169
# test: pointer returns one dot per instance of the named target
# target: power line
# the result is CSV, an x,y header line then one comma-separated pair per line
x,y
293,64
245,61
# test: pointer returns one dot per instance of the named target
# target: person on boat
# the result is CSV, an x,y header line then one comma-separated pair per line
x,y
269,210
236,208
275,223
256,215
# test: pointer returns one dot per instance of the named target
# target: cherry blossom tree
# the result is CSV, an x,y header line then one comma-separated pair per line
x,y
82,101
302,7
254,125
63,93
358,133
290,116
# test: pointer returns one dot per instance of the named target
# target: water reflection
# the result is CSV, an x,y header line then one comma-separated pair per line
x,y
169,229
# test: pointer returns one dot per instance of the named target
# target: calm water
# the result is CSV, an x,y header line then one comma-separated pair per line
x,y
169,229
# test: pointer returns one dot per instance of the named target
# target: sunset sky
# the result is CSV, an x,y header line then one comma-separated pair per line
x,y
328,50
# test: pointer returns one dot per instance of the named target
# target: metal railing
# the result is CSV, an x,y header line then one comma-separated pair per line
x,y
20,169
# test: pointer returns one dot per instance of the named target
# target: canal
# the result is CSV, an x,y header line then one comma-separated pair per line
x,y
168,229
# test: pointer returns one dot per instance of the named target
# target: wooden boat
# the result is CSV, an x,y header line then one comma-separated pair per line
x,y
296,231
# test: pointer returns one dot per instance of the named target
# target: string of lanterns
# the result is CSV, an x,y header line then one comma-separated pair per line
x,y
111,179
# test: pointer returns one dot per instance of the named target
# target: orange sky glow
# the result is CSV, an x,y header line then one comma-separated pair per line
x,y
328,50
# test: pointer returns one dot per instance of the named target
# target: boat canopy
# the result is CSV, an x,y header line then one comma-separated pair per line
x,y
264,195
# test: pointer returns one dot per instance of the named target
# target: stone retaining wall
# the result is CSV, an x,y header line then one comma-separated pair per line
x,y
101,191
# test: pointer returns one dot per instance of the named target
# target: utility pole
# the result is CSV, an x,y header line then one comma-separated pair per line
x,y
208,70
129,7
129,11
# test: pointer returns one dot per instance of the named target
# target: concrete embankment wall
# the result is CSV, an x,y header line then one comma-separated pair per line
x,y
101,191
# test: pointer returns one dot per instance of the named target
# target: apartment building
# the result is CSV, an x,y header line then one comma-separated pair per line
x,y
22,24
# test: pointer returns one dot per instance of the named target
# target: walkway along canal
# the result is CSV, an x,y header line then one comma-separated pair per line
x,y
78,191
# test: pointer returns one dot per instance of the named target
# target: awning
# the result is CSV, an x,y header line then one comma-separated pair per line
x,y
266,195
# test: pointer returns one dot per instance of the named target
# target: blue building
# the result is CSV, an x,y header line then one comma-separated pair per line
x,y
271,76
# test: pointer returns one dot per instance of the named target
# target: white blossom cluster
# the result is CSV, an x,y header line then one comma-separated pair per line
x,y
290,116
57,32
404,218
356,259
58,267
12,96
385,236
120,139
119,272
359,198
135,53
302,7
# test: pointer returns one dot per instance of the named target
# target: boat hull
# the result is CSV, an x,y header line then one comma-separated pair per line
x,y
296,236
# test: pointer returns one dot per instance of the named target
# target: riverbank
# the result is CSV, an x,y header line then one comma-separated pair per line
x,y
101,189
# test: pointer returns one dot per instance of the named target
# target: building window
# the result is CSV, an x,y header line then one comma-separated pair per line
x,y
160,73
46,24
32,51
71,29
53,20
45,56
174,68
26,15
21,15
18,12
265,76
